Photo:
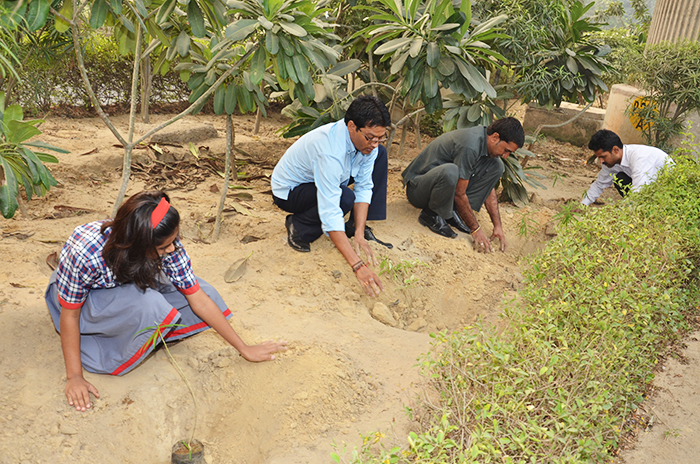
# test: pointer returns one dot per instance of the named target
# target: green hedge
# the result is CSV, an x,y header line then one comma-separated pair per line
x,y
56,82
601,305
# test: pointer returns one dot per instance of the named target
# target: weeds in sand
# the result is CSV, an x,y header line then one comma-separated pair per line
x,y
528,225
569,213
402,274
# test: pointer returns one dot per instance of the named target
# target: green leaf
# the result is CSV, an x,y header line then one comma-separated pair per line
x,y
183,43
129,26
39,168
67,12
37,12
397,62
345,67
116,6
392,45
8,192
239,30
416,45
46,146
231,99
446,66
257,66
272,42
19,131
219,97
194,15
293,29
265,22
141,8
165,10
45,157
433,55
474,112
571,64
430,83
12,113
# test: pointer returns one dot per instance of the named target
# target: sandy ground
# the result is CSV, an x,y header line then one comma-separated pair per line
x,y
345,373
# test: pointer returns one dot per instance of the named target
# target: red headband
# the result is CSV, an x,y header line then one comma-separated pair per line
x,y
159,213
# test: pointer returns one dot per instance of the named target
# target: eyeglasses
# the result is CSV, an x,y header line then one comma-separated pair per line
x,y
373,139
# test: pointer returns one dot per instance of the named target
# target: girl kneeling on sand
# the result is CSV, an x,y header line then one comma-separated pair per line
x,y
118,277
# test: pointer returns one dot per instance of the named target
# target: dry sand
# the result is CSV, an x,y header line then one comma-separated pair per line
x,y
345,373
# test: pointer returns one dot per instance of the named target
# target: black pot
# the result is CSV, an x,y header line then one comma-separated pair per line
x,y
183,455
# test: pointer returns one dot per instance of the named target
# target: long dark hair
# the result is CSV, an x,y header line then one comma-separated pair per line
x,y
131,249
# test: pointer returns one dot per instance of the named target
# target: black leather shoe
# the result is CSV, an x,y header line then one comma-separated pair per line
x,y
293,237
435,223
369,234
456,222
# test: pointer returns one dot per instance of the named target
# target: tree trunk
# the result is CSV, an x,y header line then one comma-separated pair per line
x,y
230,161
403,140
146,81
258,115
416,122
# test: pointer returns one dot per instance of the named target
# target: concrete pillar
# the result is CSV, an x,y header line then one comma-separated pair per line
x,y
621,97
674,20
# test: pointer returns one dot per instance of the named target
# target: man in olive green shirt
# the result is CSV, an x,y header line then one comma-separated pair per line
x,y
457,173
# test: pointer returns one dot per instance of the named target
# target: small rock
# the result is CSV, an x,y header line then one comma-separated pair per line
x,y
193,362
337,274
416,325
222,361
381,313
67,429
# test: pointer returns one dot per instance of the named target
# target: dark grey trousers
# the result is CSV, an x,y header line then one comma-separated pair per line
x,y
436,188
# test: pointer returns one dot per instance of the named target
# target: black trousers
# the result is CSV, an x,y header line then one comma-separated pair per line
x,y
303,203
622,183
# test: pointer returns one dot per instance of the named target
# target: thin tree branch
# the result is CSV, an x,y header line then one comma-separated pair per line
x,y
59,15
201,99
86,81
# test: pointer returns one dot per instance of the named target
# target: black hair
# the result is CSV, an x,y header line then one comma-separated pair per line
x,y
368,111
131,249
509,130
604,140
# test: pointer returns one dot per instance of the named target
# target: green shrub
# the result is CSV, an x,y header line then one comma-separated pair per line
x,y
602,304
669,72
47,84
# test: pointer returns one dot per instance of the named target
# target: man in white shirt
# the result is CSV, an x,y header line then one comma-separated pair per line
x,y
627,167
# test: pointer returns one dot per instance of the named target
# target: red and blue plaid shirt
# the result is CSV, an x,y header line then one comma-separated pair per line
x,y
82,267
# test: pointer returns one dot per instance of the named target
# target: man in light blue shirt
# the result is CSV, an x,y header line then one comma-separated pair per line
x,y
311,182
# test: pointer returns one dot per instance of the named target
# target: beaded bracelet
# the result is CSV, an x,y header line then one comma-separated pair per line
x,y
356,267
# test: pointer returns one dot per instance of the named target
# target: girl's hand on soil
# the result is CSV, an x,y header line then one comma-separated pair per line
x,y
78,393
263,351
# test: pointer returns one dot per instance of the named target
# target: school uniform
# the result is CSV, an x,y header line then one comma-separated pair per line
x,y
114,315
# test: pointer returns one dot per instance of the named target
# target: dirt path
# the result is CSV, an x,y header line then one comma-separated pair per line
x,y
345,374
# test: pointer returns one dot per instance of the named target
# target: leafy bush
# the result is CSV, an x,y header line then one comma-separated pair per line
x,y
601,305
49,83
670,74
19,164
